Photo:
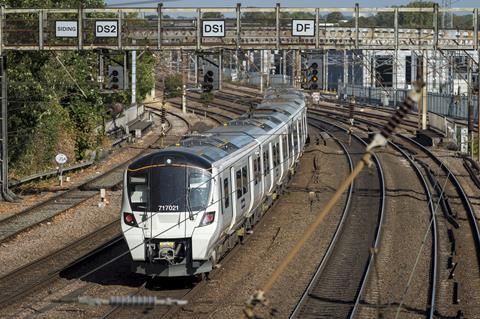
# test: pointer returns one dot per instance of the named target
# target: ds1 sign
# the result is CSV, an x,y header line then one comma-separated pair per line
x,y
303,28
106,29
213,28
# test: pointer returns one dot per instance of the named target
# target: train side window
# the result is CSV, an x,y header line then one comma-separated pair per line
x,y
277,154
255,170
285,149
244,180
274,154
257,174
266,164
226,193
239,183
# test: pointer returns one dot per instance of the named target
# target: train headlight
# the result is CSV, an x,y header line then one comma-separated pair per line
x,y
208,218
129,219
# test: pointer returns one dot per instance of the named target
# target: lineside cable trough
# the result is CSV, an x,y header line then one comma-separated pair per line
x,y
259,297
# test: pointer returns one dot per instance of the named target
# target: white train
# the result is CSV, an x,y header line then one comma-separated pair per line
x,y
185,206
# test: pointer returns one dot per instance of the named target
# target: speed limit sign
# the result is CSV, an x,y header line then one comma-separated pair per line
x,y
61,158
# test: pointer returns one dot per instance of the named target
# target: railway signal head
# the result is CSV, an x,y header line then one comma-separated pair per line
x,y
210,77
312,75
115,77
208,81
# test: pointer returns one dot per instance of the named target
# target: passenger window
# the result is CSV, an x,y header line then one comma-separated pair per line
x,y
277,154
257,169
226,193
266,164
274,155
244,180
239,183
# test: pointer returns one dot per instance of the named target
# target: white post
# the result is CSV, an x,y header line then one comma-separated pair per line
x,y
425,92
261,70
134,77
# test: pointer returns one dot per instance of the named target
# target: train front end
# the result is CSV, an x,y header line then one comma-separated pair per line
x,y
169,217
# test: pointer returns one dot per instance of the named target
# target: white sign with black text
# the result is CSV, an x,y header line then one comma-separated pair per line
x,y
303,28
106,29
66,29
213,28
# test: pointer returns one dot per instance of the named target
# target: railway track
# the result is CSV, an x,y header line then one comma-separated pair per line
x,y
338,282
452,216
430,278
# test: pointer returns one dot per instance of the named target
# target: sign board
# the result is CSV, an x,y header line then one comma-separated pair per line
x,y
463,139
213,28
303,28
61,158
316,97
66,29
106,29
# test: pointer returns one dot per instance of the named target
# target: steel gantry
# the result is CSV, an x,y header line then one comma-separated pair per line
x,y
241,27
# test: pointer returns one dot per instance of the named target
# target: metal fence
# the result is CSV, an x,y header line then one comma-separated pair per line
x,y
453,106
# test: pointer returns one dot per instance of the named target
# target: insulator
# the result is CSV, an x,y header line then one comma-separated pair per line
x,y
408,104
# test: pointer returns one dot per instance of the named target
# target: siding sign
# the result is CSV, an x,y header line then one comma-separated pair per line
x,y
303,28
66,29
106,29
213,28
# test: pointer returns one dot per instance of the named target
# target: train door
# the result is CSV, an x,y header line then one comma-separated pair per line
x,y
283,159
267,181
272,167
242,189
256,180
226,202
291,143
276,160
168,207
233,193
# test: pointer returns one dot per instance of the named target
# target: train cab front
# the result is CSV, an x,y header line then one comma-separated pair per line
x,y
169,214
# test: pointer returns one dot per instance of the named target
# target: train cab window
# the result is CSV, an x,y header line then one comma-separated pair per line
x,y
244,180
239,183
198,189
266,164
226,193
138,191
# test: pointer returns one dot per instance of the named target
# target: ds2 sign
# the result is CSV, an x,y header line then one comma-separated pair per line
x,y
213,28
106,29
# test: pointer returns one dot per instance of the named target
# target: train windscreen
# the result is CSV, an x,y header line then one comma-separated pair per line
x,y
172,189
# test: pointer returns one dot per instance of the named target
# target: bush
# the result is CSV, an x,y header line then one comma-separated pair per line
x,y
173,85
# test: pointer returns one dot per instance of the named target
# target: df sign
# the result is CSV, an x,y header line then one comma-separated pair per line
x,y
213,28
303,28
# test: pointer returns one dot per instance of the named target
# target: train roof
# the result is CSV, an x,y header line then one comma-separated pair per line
x,y
211,146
